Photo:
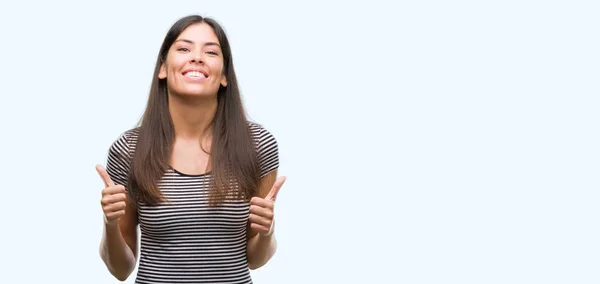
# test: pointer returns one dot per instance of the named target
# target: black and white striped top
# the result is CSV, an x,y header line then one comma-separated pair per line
x,y
187,241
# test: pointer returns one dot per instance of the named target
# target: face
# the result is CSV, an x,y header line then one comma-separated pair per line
x,y
194,64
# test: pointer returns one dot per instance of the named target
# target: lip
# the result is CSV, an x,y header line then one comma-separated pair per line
x,y
195,79
196,70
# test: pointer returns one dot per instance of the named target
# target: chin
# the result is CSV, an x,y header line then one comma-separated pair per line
x,y
197,93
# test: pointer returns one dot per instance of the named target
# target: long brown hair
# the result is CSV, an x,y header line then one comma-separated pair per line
x,y
233,159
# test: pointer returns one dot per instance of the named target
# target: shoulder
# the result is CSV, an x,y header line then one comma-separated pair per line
x,y
120,156
261,135
124,144
130,136
266,147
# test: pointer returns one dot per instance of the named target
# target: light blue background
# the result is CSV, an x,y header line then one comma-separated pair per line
x,y
424,141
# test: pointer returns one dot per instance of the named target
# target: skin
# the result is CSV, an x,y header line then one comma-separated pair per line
x,y
192,105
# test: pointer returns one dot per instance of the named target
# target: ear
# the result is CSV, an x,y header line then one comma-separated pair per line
x,y
224,81
163,71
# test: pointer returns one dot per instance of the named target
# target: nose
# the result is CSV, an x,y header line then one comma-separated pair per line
x,y
197,57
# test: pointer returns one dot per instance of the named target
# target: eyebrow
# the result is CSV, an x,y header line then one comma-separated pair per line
x,y
205,44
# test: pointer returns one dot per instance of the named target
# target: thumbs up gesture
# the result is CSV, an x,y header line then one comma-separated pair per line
x,y
262,210
113,198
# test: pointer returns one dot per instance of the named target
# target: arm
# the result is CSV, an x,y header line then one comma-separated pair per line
x,y
118,248
262,246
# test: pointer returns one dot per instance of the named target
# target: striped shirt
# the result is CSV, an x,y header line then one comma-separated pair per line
x,y
186,241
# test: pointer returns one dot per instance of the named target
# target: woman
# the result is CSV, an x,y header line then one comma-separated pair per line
x,y
197,177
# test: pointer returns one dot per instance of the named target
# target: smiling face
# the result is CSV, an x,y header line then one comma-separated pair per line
x,y
194,63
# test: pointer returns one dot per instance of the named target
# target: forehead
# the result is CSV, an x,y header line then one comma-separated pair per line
x,y
199,33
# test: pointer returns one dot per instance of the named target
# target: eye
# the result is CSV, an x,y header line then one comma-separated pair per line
x,y
212,53
182,49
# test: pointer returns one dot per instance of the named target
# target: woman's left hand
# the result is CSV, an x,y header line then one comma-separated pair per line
x,y
262,210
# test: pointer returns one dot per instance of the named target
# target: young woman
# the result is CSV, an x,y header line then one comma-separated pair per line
x,y
198,178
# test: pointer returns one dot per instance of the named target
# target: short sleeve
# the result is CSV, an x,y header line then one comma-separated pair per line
x,y
118,161
268,152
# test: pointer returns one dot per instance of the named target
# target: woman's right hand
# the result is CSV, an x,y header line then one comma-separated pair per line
x,y
113,198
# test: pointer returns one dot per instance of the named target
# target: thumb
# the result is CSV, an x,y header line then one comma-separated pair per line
x,y
104,175
275,189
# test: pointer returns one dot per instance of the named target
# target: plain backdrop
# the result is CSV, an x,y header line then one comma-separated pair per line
x,y
423,141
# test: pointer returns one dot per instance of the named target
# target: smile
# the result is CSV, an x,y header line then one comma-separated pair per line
x,y
194,73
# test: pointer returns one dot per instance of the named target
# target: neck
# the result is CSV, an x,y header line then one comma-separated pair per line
x,y
192,117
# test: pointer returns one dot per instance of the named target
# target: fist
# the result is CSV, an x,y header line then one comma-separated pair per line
x,y
262,211
113,198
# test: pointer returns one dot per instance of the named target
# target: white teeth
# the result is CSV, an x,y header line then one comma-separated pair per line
x,y
195,74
